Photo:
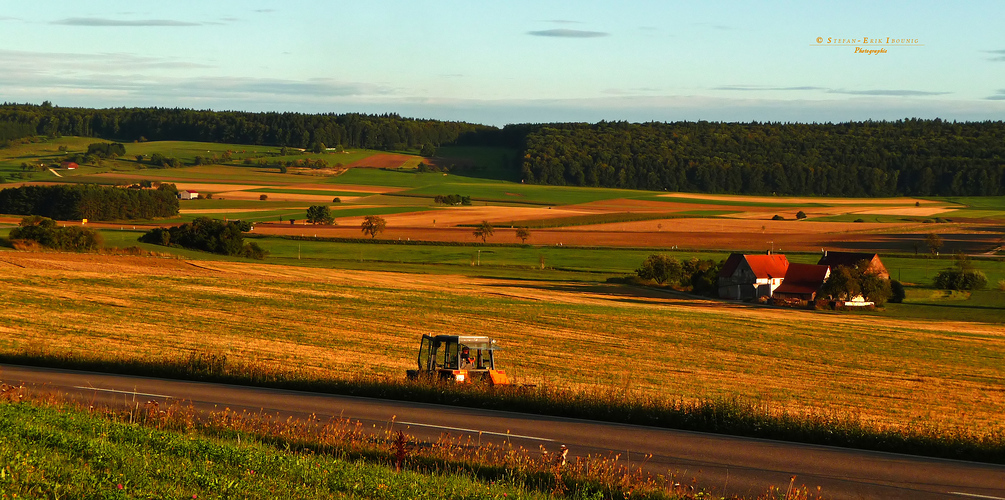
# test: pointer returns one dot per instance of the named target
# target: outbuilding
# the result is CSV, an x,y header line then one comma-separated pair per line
x,y
851,259
802,282
187,195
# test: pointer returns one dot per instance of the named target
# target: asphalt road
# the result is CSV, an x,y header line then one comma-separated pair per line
x,y
733,465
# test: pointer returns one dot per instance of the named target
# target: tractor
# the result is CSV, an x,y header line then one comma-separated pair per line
x,y
458,358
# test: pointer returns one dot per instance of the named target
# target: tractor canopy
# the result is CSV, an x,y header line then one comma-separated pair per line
x,y
456,352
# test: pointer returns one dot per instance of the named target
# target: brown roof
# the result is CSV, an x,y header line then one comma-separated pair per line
x,y
847,259
803,278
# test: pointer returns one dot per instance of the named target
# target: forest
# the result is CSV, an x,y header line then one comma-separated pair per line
x,y
89,201
388,131
910,157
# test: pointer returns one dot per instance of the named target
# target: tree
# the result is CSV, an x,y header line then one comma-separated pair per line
x,y
523,233
800,215
484,230
661,268
934,242
373,224
320,214
319,147
263,197
427,150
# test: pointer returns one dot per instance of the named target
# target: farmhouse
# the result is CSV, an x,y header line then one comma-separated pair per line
x,y
802,282
187,195
69,165
751,276
851,259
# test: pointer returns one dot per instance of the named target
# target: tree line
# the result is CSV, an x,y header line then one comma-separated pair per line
x,y
906,157
89,201
872,158
386,131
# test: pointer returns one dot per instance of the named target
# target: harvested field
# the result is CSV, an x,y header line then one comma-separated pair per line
x,y
669,237
306,198
803,200
573,334
742,226
381,160
454,216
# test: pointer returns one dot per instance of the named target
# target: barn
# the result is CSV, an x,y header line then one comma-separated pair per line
x,y
802,282
751,276
187,195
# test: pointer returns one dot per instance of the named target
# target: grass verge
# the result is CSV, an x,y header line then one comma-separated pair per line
x,y
60,449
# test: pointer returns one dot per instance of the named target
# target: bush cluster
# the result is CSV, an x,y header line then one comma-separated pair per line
x,y
452,199
209,235
957,279
45,232
700,276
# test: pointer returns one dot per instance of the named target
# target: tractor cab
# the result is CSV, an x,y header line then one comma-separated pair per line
x,y
458,358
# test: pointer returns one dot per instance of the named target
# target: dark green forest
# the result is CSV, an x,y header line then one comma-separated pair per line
x,y
873,158
89,201
910,157
388,131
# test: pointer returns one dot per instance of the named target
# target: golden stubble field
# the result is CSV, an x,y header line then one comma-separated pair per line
x,y
335,323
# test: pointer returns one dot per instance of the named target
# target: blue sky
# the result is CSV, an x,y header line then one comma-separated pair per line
x,y
515,61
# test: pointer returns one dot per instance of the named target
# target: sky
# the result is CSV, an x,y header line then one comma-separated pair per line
x,y
515,61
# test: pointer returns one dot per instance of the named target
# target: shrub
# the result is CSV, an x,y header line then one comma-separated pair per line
x,y
897,293
859,220
956,279
778,217
263,197
336,200
800,215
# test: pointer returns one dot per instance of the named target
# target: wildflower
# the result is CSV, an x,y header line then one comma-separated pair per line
x,y
120,486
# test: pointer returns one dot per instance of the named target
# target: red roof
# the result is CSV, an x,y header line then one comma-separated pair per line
x,y
68,164
767,266
803,278
763,266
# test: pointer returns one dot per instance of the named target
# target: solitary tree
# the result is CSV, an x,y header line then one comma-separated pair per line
x,y
934,243
800,215
523,233
373,224
263,197
320,214
484,230
660,268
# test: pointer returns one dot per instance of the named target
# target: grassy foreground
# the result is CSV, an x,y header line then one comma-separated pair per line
x,y
51,452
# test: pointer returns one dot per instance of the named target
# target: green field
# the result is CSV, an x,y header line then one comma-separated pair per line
x,y
50,452
314,192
